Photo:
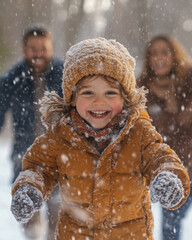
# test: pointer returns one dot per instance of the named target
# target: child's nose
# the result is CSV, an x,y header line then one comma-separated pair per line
x,y
99,101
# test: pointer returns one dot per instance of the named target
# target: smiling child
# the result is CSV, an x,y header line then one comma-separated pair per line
x,y
102,150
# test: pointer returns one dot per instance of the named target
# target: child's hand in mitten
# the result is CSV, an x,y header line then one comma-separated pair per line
x,y
167,188
26,201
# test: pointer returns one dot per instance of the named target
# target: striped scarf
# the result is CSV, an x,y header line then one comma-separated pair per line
x,y
99,138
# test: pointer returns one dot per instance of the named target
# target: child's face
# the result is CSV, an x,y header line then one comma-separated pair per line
x,y
98,101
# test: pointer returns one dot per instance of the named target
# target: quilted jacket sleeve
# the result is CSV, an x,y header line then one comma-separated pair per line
x,y
39,167
158,157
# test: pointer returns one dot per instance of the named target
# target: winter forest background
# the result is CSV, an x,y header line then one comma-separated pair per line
x,y
131,22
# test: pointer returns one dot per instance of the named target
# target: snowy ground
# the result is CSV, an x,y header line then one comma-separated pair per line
x,y
10,229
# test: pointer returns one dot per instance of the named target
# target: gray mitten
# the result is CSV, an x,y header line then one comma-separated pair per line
x,y
26,201
167,189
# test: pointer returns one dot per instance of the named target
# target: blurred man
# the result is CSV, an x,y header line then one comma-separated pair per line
x,y
20,90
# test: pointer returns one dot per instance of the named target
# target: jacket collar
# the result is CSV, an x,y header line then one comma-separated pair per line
x,y
141,114
76,139
80,142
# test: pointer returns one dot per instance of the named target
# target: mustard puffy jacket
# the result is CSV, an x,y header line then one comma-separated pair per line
x,y
103,196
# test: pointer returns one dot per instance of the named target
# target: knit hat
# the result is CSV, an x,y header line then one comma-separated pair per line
x,y
98,56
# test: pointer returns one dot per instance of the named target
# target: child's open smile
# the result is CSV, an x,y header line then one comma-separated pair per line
x,y
98,114
98,101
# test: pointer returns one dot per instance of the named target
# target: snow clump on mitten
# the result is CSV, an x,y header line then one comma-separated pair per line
x,y
167,189
26,201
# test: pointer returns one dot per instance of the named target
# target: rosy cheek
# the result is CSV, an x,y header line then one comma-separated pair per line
x,y
81,104
117,107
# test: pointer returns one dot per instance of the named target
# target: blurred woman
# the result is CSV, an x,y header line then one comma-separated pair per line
x,y
167,74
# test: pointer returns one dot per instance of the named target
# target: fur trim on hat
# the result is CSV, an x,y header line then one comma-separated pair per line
x,y
98,56
52,109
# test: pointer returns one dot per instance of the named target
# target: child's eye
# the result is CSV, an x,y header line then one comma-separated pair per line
x,y
111,93
87,92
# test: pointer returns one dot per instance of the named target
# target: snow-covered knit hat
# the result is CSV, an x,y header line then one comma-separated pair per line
x,y
98,56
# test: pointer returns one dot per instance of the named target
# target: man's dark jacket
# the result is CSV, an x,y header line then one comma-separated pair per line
x,y
17,95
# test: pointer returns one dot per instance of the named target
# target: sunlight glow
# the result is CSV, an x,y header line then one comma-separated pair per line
x,y
90,6
187,25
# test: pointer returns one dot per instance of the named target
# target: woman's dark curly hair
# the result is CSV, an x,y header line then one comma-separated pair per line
x,y
181,60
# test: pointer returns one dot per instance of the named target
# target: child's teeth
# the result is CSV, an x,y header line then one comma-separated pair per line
x,y
99,113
